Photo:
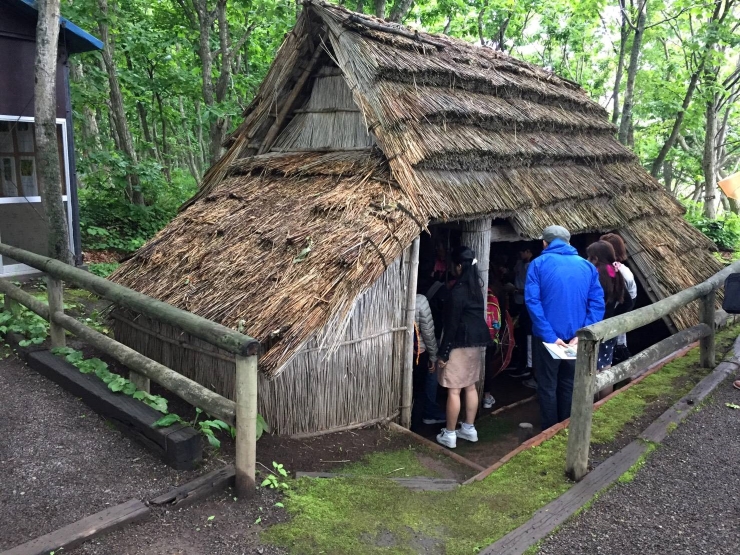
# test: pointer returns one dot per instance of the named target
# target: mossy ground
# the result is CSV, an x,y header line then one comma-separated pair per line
x,y
358,516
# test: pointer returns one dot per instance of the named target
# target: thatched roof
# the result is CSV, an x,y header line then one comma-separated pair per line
x,y
448,131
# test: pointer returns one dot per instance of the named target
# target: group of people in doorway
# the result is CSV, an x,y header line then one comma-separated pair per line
x,y
462,334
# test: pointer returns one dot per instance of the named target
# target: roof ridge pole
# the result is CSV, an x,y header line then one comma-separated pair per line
x,y
407,390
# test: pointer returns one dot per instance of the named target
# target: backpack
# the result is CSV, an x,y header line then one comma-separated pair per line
x,y
493,316
731,302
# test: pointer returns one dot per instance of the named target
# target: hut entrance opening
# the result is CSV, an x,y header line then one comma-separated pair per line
x,y
508,386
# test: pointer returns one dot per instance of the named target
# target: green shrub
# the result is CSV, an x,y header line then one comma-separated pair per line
x,y
103,269
724,231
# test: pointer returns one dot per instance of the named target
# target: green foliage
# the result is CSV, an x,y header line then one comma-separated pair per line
x,y
208,427
724,231
103,269
275,480
24,322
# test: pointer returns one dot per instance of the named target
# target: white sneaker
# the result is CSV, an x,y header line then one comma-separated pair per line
x,y
488,401
447,438
470,434
530,383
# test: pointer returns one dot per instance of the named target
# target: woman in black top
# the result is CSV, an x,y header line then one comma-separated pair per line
x,y
464,339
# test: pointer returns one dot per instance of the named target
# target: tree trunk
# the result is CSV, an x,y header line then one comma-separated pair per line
x,y
709,159
125,139
360,6
48,174
165,149
400,10
629,93
380,9
190,155
89,123
668,177
624,33
677,123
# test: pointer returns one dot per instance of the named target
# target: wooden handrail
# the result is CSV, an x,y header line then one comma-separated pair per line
x,y
607,329
588,381
242,413
207,330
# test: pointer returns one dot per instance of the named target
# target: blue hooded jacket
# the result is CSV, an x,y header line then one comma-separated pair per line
x,y
563,293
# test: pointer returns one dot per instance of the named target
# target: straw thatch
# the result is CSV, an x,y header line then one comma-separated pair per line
x,y
362,134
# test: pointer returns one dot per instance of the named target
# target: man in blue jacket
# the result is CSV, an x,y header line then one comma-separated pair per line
x,y
562,294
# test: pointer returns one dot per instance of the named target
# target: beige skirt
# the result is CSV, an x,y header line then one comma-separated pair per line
x,y
463,368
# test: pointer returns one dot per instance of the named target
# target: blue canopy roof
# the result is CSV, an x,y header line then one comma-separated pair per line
x,y
77,40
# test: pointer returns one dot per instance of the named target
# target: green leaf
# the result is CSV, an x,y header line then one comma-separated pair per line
x,y
118,384
24,342
211,517
129,388
167,420
278,504
213,440
259,519
265,482
732,406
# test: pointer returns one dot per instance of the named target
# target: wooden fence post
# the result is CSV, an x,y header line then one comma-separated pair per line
x,y
706,346
582,408
246,425
407,387
55,291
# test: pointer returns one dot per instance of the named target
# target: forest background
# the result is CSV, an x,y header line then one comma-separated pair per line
x,y
152,109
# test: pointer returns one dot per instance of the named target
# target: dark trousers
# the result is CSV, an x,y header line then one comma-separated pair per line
x,y
425,393
522,331
554,385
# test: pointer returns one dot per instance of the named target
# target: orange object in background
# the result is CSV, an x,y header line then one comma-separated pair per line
x,y
731,186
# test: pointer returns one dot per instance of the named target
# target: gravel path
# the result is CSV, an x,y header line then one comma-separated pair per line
x,y
685,500
60,462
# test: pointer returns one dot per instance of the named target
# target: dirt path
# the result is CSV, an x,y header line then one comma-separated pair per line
x,y
686,499
59,461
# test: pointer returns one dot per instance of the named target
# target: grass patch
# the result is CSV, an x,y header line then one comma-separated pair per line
x,y
393,464
351,515
628,476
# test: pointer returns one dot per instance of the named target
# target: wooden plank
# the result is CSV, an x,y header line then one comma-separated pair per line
x,y
552,515
79,532
200,488
178,445
246,425
557,512
436,447
407,375
659,429
417,483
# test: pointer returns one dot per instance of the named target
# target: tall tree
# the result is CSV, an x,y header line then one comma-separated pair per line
x,y
629,94
118,112
48,174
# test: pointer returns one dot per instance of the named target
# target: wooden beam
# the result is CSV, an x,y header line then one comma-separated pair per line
x,y
582,408
55,294
407,395
215,334
198,489
183,387
246,429
275,129
706,346
64,539
649,356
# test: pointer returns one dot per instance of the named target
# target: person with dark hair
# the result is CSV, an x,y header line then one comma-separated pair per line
x,y
464,338
562,295
621,352
616,297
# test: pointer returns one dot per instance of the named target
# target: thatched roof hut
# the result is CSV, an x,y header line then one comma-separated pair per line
x,y
362,134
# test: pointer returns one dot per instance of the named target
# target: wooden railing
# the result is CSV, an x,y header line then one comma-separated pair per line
x,y
242,414
588,381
